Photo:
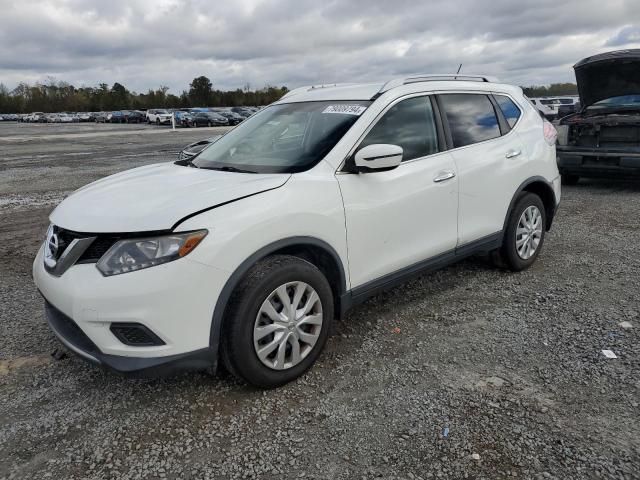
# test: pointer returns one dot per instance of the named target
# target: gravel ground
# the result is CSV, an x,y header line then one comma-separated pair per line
x,y
471,372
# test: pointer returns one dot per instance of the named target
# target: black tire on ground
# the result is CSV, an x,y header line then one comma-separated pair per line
x,y
570,179
507,256
237,347
158,121
209,124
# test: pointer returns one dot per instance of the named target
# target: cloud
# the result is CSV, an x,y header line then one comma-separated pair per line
x,y
628,35
147,43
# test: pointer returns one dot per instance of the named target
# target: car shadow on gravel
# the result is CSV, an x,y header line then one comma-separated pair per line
x,y
608,185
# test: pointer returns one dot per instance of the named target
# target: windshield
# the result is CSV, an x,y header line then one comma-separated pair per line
x,y
284,138
625,101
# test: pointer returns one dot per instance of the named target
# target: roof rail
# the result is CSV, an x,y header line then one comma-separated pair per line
x,y
308,88
430,77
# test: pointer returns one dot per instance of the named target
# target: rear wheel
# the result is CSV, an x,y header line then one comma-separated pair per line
x,y
278,321
157,121
524,235
570,179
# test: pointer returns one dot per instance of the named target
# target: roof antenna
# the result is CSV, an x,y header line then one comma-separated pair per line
x,y
459,68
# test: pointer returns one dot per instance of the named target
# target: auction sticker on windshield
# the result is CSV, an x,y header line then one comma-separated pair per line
x,y
345,109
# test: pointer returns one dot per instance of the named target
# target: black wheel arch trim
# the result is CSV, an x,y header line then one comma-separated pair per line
x,y
235,278
522,188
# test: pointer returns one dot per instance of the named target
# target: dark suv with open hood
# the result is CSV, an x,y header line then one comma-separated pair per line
x,y
603,138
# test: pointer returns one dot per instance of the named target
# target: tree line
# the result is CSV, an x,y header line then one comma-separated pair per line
x,y
553,90
57,96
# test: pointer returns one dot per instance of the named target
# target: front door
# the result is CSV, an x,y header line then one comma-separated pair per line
x,y
400,217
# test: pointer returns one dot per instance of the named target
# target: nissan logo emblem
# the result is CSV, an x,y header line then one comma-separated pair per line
x,y
52,245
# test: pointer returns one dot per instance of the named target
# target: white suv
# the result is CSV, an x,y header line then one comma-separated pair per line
x,y
159,116
247,251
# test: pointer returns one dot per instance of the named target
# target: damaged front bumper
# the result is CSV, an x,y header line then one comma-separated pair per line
x,y
598,162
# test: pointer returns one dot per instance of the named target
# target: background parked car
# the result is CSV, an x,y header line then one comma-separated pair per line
x,y
548,106
568,105
38,117
84,117
115,117
159,116
134,116
243,111
65,118
233,117
100,117
602,139
182,116
52,118
208,119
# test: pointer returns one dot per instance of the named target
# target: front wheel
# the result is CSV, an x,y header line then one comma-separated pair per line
x,y
277,321
524,235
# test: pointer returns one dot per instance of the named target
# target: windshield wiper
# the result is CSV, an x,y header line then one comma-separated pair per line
x,y
227,168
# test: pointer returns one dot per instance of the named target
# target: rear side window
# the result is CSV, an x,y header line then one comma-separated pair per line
x,y
409,124
509,109
471,118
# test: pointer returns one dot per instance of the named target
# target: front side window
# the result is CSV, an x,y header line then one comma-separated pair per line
x,y
509,109
284,138
471,118
409,124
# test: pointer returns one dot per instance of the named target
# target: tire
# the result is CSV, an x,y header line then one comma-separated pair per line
x,y
513,247
570,179
209,124
157,121
244,316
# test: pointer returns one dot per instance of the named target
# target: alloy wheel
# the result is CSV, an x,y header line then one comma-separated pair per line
x,y
529,232
288,325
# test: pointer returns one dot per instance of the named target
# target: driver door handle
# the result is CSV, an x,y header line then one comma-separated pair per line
x,y
513,153
443,176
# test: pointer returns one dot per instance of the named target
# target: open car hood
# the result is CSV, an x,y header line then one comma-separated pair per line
x,y
155,197
608,75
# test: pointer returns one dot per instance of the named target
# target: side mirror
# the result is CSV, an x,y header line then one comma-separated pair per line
x,y
378,157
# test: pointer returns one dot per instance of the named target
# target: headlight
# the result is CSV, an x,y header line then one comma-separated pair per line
x,y
137,253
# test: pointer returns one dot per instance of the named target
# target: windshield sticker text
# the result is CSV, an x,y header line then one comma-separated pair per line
x,y
345,109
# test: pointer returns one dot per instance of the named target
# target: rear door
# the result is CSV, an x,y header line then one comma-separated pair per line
x,y
489,158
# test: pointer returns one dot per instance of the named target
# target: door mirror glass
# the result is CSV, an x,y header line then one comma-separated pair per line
x,y
379,156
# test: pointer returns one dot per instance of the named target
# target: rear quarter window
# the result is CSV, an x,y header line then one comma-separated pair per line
x,y
509,109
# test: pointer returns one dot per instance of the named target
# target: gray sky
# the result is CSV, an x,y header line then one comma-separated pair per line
x,y
147,43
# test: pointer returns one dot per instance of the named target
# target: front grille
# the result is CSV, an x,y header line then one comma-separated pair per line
x,y
135,335
96,250
69,330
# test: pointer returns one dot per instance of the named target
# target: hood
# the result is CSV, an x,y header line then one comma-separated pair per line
x,y
608,75
155,197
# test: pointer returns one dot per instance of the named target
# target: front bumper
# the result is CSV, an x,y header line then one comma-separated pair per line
x,y
175,301
72,337
596,162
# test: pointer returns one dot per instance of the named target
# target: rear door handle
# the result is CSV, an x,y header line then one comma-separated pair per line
x,y
444,176
513,153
